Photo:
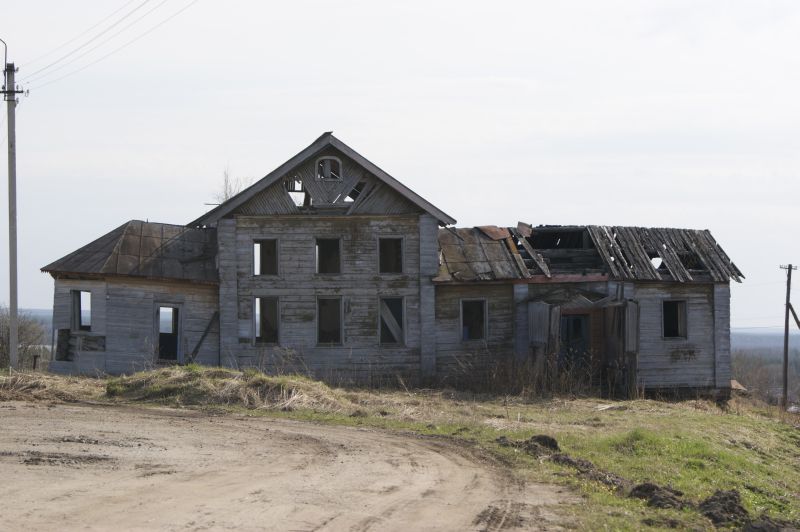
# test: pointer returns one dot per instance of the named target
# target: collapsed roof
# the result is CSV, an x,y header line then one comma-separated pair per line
x,y
489,253
145,249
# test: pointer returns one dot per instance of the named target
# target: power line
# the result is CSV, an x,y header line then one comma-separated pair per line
x,y
33,79
51,52
115,24
112,52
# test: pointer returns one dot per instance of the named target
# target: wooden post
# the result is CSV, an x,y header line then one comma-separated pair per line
x,y
785,397
10,95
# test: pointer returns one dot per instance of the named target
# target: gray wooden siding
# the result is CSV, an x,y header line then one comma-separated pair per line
x,y
676,362
722,334
456,358
123,311
360,285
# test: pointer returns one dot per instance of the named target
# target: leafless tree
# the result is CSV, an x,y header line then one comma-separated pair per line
x,y
231,186
31,339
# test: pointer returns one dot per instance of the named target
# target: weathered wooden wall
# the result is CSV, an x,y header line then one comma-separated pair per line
x,y
124,312
689,362
458,359
360,357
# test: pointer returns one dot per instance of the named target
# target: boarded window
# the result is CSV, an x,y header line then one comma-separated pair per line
x,y
329,320
329,168
390,251
167,333
265,313
674,313
391,311
265,257
81,310
328,255
473,319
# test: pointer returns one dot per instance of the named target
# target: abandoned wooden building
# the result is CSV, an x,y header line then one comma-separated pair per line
x,y
330,264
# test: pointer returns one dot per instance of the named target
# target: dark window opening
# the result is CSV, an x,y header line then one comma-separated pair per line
x,y
574,331
265,257
266,320
390,251
329,255
329,320
81,310
356,192
329,168
674,319
473,320
167,333
391,320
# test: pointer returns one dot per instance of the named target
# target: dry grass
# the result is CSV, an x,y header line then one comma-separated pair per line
x,y
36,386
205,386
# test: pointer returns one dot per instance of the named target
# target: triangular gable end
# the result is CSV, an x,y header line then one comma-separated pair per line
x,y
327,176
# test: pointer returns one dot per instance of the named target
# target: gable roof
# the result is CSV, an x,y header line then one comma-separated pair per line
x,y
146,249
491,253
325,140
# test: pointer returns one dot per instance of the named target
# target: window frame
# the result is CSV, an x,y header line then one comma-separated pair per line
x,y
254,322
685,316
485,319
402,341
316,255
332,158
76,311
402,240
277,257
341,322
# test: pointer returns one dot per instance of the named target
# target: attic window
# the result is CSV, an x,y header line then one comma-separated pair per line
x,y
329,168
674,318
297,192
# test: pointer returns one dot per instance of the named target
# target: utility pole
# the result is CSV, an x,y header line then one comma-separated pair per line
x,y
10,96
785,397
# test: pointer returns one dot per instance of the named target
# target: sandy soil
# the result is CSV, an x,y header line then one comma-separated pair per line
x,y
100,468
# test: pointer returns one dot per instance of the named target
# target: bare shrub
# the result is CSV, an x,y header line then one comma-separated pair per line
x,y
31,340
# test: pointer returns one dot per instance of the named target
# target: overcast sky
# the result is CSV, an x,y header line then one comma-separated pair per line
x,y
682,114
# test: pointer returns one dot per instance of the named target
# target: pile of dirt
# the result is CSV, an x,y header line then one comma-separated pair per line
x,y
770,524
589,471
724,508
659,496
198,385
539,445
35,386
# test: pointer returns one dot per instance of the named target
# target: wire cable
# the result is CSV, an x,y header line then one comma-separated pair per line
x,y
82,46
33,79
60,46
112,52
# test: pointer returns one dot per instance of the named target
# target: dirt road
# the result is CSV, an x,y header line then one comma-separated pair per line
x,y
101,468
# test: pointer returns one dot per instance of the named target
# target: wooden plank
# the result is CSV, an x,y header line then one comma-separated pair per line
x,y
512,248
537,257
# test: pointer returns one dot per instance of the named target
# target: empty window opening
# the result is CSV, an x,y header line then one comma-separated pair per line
x,y
391,311
674,319
473,319
329,255
329,168
167,333
574,345
390,251
81,310
298,193
329,320
356,192
265,257
266,320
